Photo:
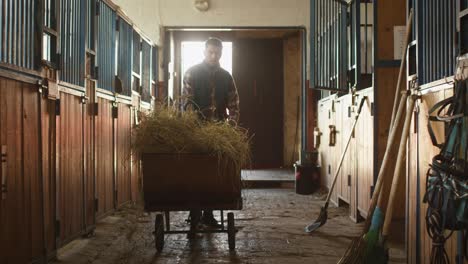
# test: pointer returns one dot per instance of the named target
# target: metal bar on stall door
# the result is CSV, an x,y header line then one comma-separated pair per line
x,y
438,39
358,45
21,34
433,40
452,19
2,28
365,37
329,40
444,37
424,71
319,41
430,62
26,34
313,44
9,31
331,28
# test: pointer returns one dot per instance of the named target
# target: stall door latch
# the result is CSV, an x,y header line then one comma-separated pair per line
x,y
332,136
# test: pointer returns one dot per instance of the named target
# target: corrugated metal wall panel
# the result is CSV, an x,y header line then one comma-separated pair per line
x,y
106,47
124,66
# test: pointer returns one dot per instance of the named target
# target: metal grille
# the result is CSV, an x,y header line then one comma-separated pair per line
x,y
341,45
463,22
328,44
106,46
72,32
90,25
155,69
146,72
124,65
17,38
136,52
434,33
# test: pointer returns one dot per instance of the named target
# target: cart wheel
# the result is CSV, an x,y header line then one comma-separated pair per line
x,y
159,232
231,230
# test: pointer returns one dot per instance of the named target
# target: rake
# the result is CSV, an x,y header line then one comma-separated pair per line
x,y
322,218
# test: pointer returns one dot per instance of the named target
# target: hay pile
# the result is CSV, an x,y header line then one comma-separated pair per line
x,y
168,130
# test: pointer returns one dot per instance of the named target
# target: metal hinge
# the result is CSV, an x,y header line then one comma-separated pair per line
x,y
416,122
349,180
57,107
94,109
58,59
96,204
329,168
57,228
349,111
115,112
84,99
96,73
4,188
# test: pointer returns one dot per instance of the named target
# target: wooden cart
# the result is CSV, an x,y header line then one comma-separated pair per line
x,y
190,182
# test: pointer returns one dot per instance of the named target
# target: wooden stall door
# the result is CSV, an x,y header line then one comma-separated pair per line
x,y
48,173
418,239
89,158
70,178
21,204
123,155
364,155
258,72
104,143
346,172
327,152
336,150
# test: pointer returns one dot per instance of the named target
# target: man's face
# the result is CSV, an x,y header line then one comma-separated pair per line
x,y
213,54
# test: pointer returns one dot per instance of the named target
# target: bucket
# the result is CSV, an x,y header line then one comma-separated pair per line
x,y
307,178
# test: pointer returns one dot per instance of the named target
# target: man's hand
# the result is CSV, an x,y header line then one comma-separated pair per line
x,y
232,122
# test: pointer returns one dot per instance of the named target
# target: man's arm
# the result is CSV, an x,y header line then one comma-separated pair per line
x,y
233,102
187,92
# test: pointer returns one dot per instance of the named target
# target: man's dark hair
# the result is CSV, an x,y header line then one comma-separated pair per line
x,y
214,42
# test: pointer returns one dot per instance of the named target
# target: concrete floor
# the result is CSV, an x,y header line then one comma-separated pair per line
x,y
270,231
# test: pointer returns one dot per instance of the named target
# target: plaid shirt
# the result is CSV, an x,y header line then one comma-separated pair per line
x,y
212,91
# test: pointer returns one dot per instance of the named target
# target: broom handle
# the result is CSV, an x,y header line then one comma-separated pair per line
x,y
399,165
344,151
403,60
383,167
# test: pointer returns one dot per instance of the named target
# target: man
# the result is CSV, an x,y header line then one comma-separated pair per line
x,y
210,90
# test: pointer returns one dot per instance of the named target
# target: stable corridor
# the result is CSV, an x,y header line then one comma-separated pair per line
x,y
270,230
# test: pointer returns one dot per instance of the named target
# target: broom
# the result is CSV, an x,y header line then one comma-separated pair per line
x,y
367,248
323,216
371,234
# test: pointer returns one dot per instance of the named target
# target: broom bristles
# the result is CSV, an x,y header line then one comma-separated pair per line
x,y
364,249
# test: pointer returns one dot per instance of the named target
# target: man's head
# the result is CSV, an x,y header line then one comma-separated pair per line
x,y
213,51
